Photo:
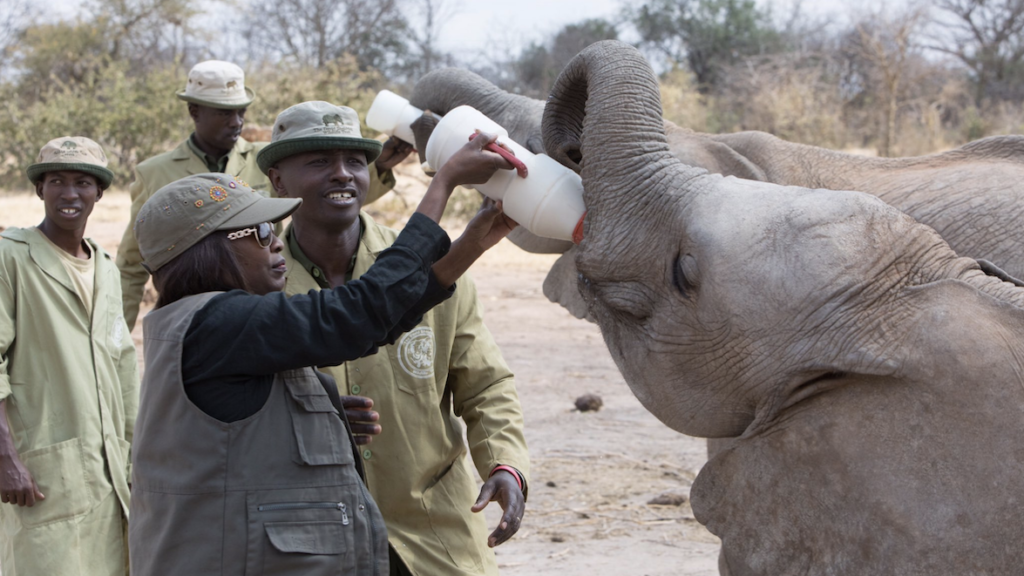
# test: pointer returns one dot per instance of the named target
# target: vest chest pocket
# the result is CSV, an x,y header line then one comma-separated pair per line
x,y
320,435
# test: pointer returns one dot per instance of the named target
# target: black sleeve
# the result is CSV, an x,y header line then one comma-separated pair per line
x,y
241,334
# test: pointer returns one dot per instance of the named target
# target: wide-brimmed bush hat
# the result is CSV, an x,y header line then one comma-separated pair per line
x,y
217,84
72,153
185,211
315,125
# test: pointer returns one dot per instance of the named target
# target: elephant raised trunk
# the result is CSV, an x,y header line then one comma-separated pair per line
x,y
603,119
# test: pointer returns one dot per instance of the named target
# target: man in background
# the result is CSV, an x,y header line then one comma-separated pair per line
x,y
217,100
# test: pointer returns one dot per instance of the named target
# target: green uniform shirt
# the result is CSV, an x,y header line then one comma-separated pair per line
x,y
71,388
446,371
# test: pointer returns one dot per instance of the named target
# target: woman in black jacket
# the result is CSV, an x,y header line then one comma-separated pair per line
x,y
242,461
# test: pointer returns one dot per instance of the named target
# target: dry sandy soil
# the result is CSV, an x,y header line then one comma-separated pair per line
x,y
594,473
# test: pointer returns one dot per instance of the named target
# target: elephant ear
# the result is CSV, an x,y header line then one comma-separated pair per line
x,y
422,128
561,286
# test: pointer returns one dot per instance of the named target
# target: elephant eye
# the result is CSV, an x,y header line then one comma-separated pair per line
x,y
632,299
684,275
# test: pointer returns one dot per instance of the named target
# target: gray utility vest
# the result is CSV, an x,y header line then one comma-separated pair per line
x,y
275,493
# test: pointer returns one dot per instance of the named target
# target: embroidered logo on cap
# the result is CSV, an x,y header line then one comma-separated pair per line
x,y
218,193
334,124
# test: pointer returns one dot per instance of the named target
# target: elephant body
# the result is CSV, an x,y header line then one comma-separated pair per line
x,y
871,378
971,195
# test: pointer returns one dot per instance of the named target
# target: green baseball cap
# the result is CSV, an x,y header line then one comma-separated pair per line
x,y
185,211
72,153
315,125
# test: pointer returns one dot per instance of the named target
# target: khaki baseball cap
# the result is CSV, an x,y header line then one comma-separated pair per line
x,y
217,84
72,153
315,125
185,211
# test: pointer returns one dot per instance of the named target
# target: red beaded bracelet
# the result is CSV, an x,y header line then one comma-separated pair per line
x,y
510,470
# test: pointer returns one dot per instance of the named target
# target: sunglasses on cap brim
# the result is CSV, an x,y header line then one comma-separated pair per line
x,y
264,232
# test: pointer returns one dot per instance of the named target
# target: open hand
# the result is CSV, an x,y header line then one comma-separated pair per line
x,y
361,418
502,488
489,226
16,483
472,164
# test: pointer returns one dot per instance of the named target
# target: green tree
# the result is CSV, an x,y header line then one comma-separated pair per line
x,y
539,64
315,32
705,35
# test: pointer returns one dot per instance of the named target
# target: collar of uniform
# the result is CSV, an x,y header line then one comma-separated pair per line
x,y
318,275
214,164
184,151
42,254
376,239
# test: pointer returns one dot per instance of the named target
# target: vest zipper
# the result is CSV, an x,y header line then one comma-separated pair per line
x,y
340,506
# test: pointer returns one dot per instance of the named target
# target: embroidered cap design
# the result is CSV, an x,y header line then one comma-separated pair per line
x,y
218,193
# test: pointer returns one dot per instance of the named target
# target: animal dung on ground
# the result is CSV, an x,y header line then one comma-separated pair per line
x,y
669,499
589,403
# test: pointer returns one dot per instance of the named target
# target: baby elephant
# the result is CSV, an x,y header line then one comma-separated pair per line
x,y
873,379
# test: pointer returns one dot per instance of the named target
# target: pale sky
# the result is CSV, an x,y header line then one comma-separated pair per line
x,y
488,26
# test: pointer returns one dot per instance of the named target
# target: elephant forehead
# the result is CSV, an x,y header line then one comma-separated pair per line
x,y
775,225
797,243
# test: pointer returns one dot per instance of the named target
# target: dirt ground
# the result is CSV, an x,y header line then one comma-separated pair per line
x,y
593,474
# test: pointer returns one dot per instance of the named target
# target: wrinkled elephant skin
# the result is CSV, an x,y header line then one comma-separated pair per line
x,y
873,378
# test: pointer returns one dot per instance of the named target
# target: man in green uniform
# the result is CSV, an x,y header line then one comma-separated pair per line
x,y
68,380
217,101
445,368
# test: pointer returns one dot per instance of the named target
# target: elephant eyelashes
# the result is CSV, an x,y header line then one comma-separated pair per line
x,y
684,274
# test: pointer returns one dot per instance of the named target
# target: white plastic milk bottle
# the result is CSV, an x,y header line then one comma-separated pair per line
x,y
548,201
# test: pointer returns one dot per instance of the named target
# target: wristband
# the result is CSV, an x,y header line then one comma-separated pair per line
x,y
510,470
